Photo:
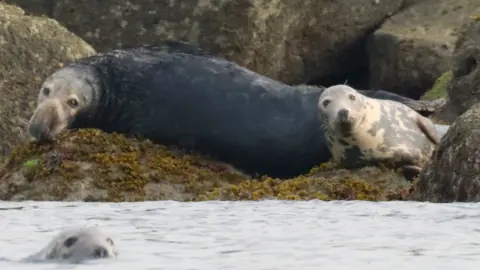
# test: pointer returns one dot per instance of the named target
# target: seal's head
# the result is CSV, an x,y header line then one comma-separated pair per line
x,y
341,108
64,95
80,244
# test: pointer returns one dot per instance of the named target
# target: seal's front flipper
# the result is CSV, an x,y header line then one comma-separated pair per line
x,y
411,171
428,129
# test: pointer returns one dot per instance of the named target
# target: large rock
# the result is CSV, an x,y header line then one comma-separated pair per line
x,y
289,40
90,165
414,47
453,174
30,49
464,88
34,7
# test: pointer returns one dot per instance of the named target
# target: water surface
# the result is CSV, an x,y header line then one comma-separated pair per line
x,y
266,235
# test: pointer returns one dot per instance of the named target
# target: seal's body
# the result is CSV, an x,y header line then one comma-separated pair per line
x,y
77,245
364,131
192,100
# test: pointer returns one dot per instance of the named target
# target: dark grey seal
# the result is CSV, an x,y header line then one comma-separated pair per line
x,y
176,94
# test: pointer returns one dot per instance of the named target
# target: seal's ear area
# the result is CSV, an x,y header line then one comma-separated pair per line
x,y
70,241
428,129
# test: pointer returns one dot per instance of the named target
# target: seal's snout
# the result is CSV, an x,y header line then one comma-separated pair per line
x,y
39,125
343,115
48,121
37,130
100,252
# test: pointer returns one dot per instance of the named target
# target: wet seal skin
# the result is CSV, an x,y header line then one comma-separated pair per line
x,y
363,131
76,245
176,94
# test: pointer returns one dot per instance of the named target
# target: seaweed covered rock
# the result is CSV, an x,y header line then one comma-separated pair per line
x,y
326,182
293,41
31,48
414,47
464,88
90,165
453,174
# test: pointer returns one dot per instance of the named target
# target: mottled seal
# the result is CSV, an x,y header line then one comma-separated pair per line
x,y
365,131
185,97
77,245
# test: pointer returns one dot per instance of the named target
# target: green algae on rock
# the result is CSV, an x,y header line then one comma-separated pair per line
x,y
445,114
439,89
90,165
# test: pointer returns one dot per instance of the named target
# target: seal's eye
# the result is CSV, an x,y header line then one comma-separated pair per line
x,y
351,97
46,91
70,241
325,103
72,103
110,241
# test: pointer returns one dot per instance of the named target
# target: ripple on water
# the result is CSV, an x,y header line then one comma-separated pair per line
x,y
254,235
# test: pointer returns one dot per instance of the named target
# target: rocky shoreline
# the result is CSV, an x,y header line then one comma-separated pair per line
x,y
90,165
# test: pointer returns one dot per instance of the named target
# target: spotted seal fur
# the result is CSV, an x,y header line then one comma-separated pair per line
x,y
174,94
364,131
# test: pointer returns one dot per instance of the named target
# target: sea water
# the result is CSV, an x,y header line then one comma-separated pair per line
x,y
261,235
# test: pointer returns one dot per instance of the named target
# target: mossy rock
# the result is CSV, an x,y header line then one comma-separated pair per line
x,y
439,89
90,165
325,182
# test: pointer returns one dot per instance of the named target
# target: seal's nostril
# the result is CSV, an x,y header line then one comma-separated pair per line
x,y
100,252
343,113
35,130
39,131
